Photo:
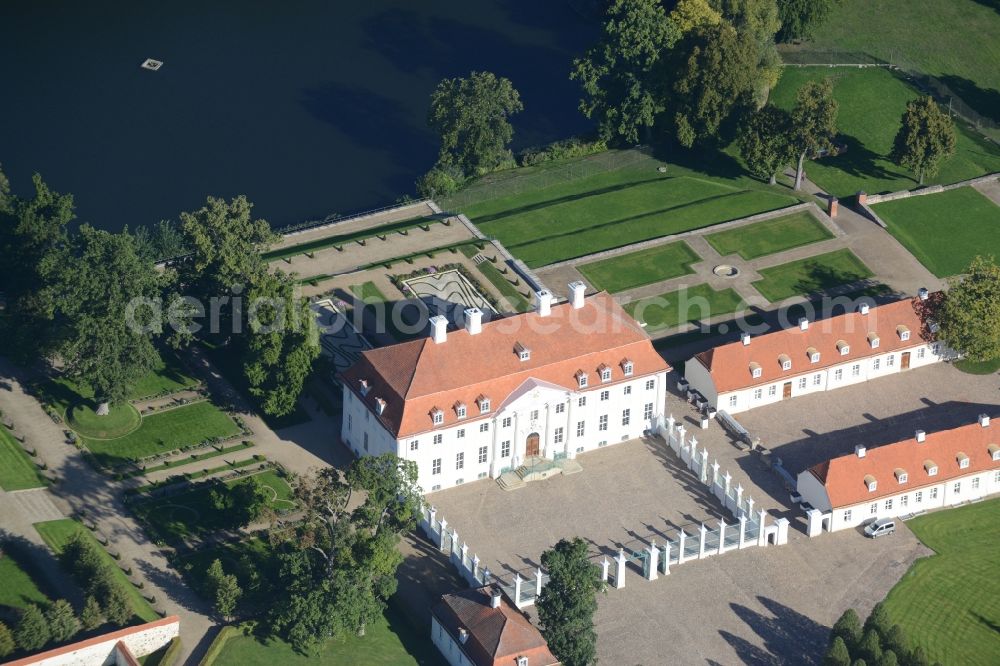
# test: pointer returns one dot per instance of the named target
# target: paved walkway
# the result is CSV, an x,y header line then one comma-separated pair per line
x,y
351,225
990,190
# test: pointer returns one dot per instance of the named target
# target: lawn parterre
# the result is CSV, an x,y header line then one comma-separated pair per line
x,y
17,472
945,231
696,303
871,102
635,269
18,588
167,376
493,274
811,275
949,603
368,292
770,236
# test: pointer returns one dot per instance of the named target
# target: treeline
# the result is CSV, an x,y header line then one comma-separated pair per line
x,y
878,642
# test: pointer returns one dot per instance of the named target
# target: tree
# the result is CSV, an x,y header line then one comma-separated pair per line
x,y
32,632
859,662
117,607
870,647
814,122
837,654
969,316
568,602
471,116
103,345
91,616
63,624
801,18
896,641
223,588
926,138
878,620
7,644
919,657
249,500
690,14
757,22
620,75
763,140
715,76
848,628
888,658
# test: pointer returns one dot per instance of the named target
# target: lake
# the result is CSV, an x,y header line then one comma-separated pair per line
x,y
308,108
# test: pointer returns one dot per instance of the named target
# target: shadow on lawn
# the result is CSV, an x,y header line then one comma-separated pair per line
x,y
984,101
859,161
820,278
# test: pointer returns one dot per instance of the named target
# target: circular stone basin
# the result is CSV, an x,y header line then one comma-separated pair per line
x,y
725,270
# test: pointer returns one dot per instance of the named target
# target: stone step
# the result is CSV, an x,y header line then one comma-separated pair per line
x,y
510,481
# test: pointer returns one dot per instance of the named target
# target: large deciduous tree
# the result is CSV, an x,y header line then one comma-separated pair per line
x,y
758,22
801,18
814,123
764,142
969,317
690,14
471,115
926,138
620,76
568,602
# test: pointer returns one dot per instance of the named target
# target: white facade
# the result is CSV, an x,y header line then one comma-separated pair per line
x,y
802,381
485,445
448,646
947,493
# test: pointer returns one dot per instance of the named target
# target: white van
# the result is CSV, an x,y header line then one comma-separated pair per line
x,y
880,527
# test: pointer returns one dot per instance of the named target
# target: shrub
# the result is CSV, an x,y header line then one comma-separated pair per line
x,y
91,617
7,643
63,624
32,631
439,182
560,150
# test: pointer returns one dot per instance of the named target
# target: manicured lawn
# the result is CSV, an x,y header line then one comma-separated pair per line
x,y
684,305
341,239
945,231
167,376
57,533
18,589
978,368
17,472
165,431
120,421
368,293
871,102
770,236
608,210
807,276
949,603
643,267
493,274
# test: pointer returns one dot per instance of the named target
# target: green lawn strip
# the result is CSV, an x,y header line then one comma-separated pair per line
x,y
368,292
499,280
945,231
57,533
696,303
167,376
811,275
635,269
978,368
18,588
200,474
871,102
17,471
364,234
948,602
770,236
181,462
165,431
282,491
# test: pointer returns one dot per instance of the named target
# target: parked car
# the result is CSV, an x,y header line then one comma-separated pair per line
x,y
880,527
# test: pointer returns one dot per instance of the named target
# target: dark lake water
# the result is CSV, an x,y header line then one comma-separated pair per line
x,y
308,108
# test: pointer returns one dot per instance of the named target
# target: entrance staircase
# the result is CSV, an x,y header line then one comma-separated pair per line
x,y
536,468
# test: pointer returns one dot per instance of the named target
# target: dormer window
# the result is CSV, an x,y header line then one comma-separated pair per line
x,y
963,460
460,410
785,361
605,373
522,661
581,379
994,452
870,483
813,354
843,347
379,406
484,404
930,467
437,416
873,340
522,352
627,368
903,332
901,476
756,371
364,387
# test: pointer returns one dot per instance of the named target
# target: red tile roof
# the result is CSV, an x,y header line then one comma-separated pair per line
x,y
416,377
497,636
730,364
844,477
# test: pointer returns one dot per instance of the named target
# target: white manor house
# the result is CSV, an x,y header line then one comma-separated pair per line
x,y
485,399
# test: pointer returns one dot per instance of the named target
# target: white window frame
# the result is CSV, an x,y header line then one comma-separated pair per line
x,y
602,422
460,460
758,393
484,453
626,416
436,466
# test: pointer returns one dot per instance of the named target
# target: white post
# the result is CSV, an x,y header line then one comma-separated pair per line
x,y
666,559
654,556
739,499
782,537
680,547
728,480
670,424
815,523
464,553
486,575
715,473
693,455
750,504
538,583
701,545
722,537
475,567
443,525
620,570
517,590
704,465
431,512
605,567
761,529
743,532
681,430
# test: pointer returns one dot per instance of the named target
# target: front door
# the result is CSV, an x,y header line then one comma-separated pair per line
x,y
787,392
904,362
531,448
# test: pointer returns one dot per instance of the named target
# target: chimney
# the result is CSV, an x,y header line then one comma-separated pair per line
x,y
864,308
921,436
577,291
439,328
860,450
923,294
495,599
745,339
544,298
463,635
984,420
803,324
473,320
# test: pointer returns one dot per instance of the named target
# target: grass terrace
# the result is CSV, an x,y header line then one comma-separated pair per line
x,y
57,533
770,236
368,292
498,280
811,275
635,269
401,227
674,308
17,471
616,208
945,231
949,603
19,588
872,100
